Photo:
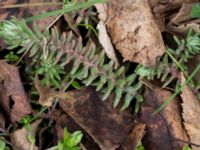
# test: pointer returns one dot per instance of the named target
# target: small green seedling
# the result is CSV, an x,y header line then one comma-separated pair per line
x,y
26,122
186,148
69,142
195,13
140,147
2,145
12,58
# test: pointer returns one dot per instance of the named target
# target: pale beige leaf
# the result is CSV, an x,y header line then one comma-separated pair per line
x,y
133,31
12,91
105,41
102,11
20,137
191,115
103,36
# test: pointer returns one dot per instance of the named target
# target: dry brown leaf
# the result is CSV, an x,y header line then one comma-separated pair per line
x,y
20,137
6,14
12,95
46,94
191,114
182,21
103,36
2,121
192,64
136,134
164,130
134,32
105,41
176,11
65,121
108,127
184,14
43,23
24,12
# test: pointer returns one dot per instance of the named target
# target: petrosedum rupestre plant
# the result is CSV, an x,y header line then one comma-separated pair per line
x,y
53,54
173,61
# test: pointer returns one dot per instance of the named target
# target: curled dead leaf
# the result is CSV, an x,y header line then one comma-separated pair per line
x,y
46,95
105,41
108,127
165,130
103,36
182,21
134,32
191,115
2,121
12,95
65,121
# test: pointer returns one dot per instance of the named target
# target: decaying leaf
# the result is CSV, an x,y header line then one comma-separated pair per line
x,y
65,121
33,11
191,115
136,134
134,32
47,95
24,12
21,137
105,41
165,130
192,64
103,36
173,15
182,21
2,121
12,95
7,13
108,127
183,14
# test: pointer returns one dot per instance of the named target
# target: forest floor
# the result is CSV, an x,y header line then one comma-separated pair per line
x,y
100,75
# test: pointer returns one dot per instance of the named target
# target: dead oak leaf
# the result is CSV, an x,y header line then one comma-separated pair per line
x,y
65,121
108,127
164,129
24,12
12,95
2,121
191,115
133,31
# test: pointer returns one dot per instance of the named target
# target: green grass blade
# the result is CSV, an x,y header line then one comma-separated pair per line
x,y
177,91
67,8
30,5
195,13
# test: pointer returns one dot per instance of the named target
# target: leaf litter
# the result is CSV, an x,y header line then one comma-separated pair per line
x,y
138,30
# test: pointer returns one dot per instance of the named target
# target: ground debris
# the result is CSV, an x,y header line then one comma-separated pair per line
x,y
165,129
134,32
21,137
13,98
108,127
191,115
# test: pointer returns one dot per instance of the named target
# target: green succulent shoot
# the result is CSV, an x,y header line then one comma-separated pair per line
x,y
69,142
51,72
14,32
